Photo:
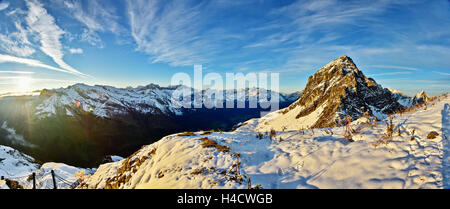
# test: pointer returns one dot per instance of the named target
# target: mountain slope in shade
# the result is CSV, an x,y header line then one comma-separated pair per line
x,y
81,125
336,91
314,158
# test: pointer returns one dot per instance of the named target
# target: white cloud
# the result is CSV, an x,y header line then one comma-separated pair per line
x,y
17,43
30,62
76,51
4,5
49,34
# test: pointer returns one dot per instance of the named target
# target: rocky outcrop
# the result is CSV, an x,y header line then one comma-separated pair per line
x,y
336,91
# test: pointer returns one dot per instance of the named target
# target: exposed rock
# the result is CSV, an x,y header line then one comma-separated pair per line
x,y
337,90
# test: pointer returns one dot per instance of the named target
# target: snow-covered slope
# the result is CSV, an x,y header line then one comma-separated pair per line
x,y
18,167
67,176
314,158
105,101
14,163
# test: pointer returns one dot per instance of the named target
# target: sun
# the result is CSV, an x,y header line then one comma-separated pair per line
x,y
23,84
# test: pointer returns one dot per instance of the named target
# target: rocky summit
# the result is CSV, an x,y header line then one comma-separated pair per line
x,y
336,91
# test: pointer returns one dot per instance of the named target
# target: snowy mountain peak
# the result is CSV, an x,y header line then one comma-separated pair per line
x,y
343,63
334,92
422,95
395,91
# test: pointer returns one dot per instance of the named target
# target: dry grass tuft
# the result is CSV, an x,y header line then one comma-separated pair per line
x,y
198,171
212,143
207,132
389,127
186,134
348,131
432,135
413,131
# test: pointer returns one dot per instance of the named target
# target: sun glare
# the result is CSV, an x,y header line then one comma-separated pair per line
x,y
23,84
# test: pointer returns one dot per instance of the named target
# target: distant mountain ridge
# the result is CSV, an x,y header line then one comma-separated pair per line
x,y
106,101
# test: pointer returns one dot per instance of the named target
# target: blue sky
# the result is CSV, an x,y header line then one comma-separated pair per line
x,y
54,43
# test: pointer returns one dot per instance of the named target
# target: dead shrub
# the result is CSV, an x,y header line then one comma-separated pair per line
x,y
13,184
273,133
259,135
160,174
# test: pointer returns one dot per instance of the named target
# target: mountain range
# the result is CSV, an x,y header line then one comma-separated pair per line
x,y
82,124
304,145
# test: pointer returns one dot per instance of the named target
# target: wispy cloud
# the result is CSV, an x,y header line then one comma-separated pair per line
x,y
17,43
76,51
326,29
16,72
317,20
442,73
96,16
391,73
172,32
4,5
31,79
48,32
30,62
